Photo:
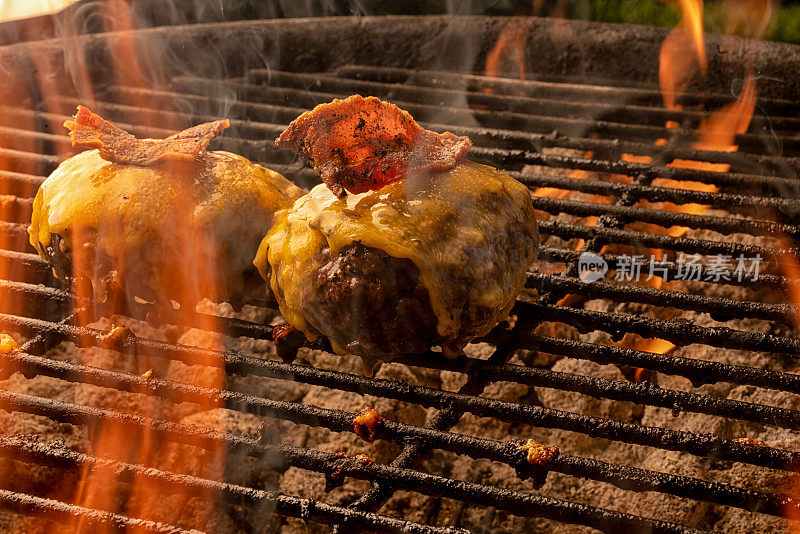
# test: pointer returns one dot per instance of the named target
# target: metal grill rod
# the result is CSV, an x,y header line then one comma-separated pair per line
x,y
430,78
283,456
235,363
568,105
699,372
341,421
718,307
539,123
786,206
765,280
679,332
685,244
19,449
67,513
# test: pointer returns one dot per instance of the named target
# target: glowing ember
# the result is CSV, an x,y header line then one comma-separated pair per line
x,y
658,346
7,344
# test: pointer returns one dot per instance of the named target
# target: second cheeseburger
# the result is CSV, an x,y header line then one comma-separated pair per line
x,y
427,248
156,219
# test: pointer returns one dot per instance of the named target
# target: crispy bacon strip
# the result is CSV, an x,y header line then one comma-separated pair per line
x,y
90,130
361,144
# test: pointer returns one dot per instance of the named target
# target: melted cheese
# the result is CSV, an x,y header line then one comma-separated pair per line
x,y
452,225
137,216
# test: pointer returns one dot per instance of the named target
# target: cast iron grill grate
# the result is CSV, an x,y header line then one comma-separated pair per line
x,y
533,130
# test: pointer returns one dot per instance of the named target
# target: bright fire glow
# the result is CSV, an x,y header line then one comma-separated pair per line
x,y
508,53
717,132
195,276
683,53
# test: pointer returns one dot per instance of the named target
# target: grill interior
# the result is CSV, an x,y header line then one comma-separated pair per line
x,y
578,369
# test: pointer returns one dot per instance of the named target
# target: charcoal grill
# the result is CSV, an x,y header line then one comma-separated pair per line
x,y
262,74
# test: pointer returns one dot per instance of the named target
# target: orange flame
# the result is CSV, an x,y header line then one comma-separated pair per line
x,y
717,132
683,53
508,53
195,275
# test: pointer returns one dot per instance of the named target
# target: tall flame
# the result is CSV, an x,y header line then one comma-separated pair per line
x,y
683,53
102,489
717,132
508,52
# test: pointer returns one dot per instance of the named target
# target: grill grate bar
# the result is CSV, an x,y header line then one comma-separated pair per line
x,y
787,186
280,457
14,236
787,206
17,448
765,280
19,184
62,512
719,308
24,267
699,372
679,332
341,421
568,105
504,119
646,393
430,78
724,225
235,363
646,239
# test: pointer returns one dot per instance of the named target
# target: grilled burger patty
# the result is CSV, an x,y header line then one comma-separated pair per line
x,y
431,260
373,299
166,231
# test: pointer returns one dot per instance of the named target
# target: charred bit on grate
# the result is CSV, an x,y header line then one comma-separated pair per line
x,y
288,341
538,457
366,423
8,345
750,441
116,338
335,478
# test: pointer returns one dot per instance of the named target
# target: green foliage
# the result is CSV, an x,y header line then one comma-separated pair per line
x,y
784,26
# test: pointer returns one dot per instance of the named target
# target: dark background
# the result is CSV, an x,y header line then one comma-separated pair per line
x,y
741,17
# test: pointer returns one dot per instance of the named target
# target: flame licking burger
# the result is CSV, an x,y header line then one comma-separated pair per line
x,y
131,214
427,249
